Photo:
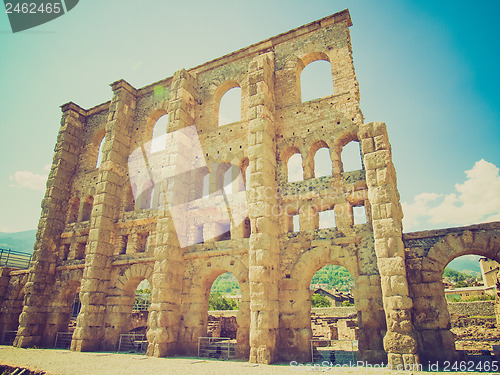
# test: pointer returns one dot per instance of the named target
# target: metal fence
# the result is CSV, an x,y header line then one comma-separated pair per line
x,y
63,340
8,337
216,347
131,342
334,351
141,302
14,259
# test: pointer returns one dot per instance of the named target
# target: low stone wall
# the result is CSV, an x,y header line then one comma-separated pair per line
x,y
477,308
336,312
224,313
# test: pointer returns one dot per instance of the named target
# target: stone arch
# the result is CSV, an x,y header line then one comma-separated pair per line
x,y
295,297
313,149
310,57
295,321
304,62
120,301
196,290
339,143
93,153
454,245
73,208
133,273
151,121
285,156
12,304
430,312
61,304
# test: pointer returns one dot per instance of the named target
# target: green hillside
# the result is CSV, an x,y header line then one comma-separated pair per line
x,y
336,277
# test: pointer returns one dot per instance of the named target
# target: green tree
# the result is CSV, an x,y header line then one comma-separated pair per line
x,y
317,300
217,301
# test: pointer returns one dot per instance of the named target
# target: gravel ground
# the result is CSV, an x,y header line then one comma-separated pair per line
x,y
65,362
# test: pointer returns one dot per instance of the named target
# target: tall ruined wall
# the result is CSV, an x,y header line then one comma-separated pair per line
x,y
166,215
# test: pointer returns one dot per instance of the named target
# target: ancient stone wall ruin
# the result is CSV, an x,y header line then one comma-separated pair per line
x,y
103,229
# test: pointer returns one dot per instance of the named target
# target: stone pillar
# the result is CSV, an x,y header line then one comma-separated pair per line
x,y
89,332
164,316
52,220
400,340
264,249
497,299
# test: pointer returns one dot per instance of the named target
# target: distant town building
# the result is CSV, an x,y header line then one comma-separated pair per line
x,y
489,271
336,297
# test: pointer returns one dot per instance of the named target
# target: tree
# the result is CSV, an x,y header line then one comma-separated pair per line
x,y
217,301
317,300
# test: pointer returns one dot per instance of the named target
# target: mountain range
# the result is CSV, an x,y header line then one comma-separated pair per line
x,y
18,241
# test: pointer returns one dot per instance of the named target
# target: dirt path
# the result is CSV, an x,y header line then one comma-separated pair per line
x,y
64,362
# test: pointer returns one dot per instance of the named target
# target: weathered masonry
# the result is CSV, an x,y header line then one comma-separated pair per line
x,y
105,226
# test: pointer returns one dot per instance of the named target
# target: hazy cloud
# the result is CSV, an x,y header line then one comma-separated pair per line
x,y
477,200
29,180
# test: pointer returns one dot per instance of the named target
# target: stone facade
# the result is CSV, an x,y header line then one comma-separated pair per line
x,y
101,232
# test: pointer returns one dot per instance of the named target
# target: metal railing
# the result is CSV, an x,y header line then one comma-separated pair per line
x,y
141,302
334,351
8,337
132,342
63,340
216,347
14,259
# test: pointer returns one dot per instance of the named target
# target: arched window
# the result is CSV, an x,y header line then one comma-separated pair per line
x,y
322,163
87,208
74,206
316,80
295,170
351,157
230,106
158,140
99,153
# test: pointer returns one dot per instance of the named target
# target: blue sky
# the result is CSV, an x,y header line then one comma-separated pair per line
x,y
429,69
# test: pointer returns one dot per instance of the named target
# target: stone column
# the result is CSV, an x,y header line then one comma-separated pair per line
x,y
52,221
400,340
497,299
264,249
89,332
164,316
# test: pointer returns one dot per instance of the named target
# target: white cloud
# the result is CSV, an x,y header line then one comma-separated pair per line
x,y
29,180
477,200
